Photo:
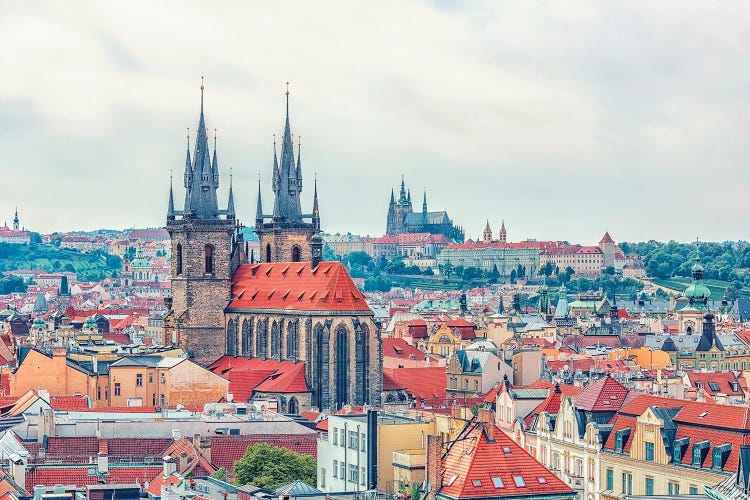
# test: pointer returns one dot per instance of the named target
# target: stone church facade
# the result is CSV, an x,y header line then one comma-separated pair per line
x,y
289,305
403,219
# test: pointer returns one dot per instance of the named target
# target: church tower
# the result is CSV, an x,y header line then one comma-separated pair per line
x,y
487,236
503,236
206,250
16,222
285,234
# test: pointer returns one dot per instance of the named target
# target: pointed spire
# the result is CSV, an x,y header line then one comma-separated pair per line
x,y
259,209
408,196
393,198
230,203
402,193
215,164
188,167
299,164
200,195
316,212
170,205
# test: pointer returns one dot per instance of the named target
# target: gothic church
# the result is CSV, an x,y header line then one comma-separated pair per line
x,y
288,306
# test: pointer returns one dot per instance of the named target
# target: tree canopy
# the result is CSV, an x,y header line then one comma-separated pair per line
x,y
268,466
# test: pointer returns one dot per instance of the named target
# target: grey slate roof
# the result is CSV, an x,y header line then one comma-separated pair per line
x,y
690,342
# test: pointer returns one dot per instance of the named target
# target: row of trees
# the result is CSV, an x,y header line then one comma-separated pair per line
x,y
89,266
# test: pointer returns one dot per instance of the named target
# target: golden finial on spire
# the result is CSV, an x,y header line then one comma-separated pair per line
x,y
287,88
274,139
202,87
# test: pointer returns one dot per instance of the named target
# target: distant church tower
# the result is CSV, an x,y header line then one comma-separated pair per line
x,y
16,222
285,234
487,236
206,250
503,236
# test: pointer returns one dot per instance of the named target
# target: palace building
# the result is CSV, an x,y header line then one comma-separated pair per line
x,y
286,305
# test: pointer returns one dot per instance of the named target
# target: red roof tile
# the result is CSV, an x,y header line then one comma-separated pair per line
x,y
68,403
296,286
399,348
605,394
473,461
50,475
421,383
716,382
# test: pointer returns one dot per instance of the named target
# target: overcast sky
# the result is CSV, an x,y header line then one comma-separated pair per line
x,y
562,118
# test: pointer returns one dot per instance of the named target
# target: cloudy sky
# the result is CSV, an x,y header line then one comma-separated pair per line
x,y
563,118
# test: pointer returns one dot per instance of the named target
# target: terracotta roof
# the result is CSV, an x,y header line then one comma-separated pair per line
x,y
606,238
421,383
154,487
68,403
247,375
605,394
473,461
296,286
391,385
399,348
50,475
226,450
716,383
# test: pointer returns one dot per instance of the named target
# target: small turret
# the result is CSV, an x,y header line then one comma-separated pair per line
x,y
170,204
316,211
259,209
316,248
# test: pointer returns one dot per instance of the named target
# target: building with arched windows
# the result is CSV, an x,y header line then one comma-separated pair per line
x,y
284,304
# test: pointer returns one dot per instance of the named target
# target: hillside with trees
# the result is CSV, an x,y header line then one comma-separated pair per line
x,y
90,266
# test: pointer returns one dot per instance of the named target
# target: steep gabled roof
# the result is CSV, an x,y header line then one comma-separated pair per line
x,y
606,394
296,286
472,462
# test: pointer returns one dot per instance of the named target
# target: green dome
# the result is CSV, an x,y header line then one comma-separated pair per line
x,y
90,323
697,267
140,263
697,293
39,323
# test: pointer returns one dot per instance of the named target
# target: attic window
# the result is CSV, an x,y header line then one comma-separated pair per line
x,y
518,479
699,385
703,415
477,483
497,482
506,450
542,480
714,386
283,271
452,480
468,452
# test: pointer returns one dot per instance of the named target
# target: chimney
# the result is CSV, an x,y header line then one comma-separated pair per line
x,y
205,449
94,364
433,463
18,470
48,422
197,442
102,463
485,416
708,326
168,466
456,411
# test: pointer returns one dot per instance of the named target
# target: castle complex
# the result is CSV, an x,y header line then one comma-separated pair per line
x,y
286,306
403,219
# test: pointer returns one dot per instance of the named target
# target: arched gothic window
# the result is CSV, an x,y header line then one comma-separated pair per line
x,y
178,260
209,259
296,254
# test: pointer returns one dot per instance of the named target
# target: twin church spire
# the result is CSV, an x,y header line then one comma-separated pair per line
x,y
201,179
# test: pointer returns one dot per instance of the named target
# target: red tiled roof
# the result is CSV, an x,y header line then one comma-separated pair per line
x,y
68,403
296,286
606,394
154,487
399,348
722,381
586,364
473,460
226,450
606,238
389,384
78,475
421,383
247,375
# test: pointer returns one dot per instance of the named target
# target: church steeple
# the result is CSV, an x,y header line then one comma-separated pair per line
x,y
230,203
259,208
16,222
503,237
170,205
215,164
402,193
287,206
424,205
487,236
316,212
200,198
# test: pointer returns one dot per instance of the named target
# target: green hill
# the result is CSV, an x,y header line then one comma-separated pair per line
x,y
91,266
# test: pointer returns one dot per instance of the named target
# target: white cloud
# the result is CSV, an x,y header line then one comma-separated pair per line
x,y
563,119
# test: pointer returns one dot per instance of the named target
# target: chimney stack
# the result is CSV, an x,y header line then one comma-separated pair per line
x,y
485,416
18,470
433,463
169,466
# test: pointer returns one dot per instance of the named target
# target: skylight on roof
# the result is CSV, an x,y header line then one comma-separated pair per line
x,y
452,480
703,415
542,480
497,482
506,450
477,483
518,479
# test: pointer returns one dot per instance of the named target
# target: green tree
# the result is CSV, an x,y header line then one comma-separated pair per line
x,y
609,271
220,474
357,258
268,466
513,276
494,275
547,269
69,267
